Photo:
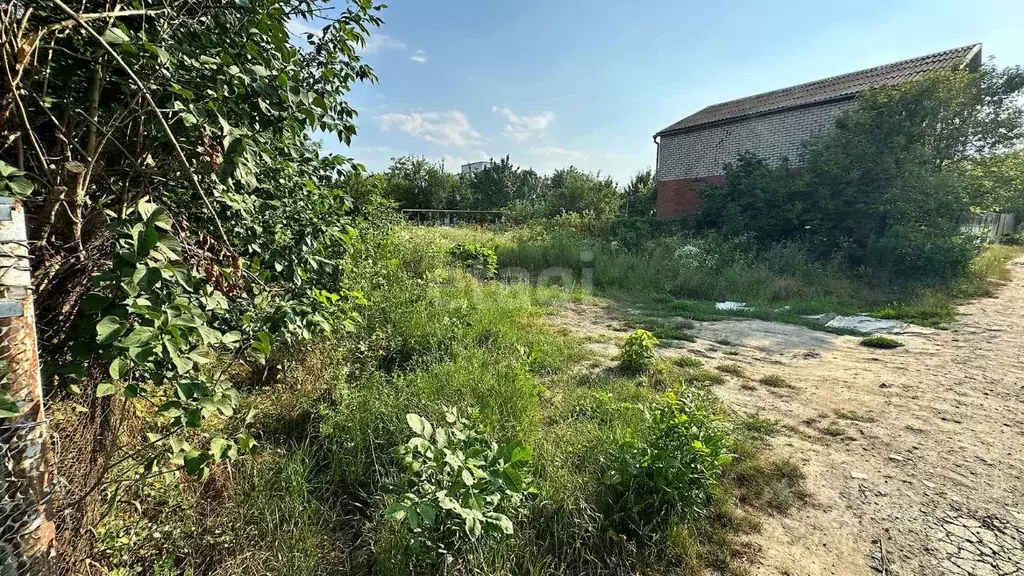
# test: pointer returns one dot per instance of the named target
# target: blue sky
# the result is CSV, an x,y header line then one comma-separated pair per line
x,y
558,82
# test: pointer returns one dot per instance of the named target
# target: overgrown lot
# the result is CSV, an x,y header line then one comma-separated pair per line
x,y
613,471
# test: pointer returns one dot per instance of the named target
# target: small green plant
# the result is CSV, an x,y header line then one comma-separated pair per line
x,y
688,362
477,260
732,369
672,466
458,485
637,354
883,342
774,381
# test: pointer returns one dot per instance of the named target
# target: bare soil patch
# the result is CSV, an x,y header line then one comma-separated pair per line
x,y
914,456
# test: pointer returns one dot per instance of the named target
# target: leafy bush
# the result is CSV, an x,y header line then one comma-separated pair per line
x,y
478,260
637,354
672,466
458,485
883,342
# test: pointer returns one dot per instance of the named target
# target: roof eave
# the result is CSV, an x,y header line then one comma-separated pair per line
x,y
734,119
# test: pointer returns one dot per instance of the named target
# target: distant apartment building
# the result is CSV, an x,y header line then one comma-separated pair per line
x,y
474,167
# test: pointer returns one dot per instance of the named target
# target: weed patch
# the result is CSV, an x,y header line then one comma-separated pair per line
x,y
883,342
732,370
774,381
854,416
688,362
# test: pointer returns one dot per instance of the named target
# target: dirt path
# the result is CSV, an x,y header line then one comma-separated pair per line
x,y
914,457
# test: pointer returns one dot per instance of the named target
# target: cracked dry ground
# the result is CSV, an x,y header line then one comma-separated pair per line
x,y
914,457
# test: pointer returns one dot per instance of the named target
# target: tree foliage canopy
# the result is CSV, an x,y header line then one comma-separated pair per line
x,y
181,212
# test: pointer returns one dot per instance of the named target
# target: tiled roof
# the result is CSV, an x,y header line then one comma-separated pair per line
x,y
829,89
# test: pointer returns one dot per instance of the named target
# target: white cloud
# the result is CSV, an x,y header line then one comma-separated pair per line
x,y
522,128
559,154
418,56
450,128
380,42
299,27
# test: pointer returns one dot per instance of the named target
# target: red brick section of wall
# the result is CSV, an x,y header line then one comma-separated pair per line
x,y
680,197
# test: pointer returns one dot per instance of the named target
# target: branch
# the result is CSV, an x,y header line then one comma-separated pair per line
x,y
156,110
96,16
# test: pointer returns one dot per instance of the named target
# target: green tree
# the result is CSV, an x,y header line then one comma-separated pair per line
x,y
994,183
183,216
501,184
571,190
415,182
640,195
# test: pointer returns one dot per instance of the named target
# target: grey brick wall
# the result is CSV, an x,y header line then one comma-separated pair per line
x,y
704,152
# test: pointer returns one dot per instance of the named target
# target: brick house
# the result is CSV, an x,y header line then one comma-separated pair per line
x,y
693,151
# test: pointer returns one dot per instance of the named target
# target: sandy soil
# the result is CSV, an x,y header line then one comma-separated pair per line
x,y
914,457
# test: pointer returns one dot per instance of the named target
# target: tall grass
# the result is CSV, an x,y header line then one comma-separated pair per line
x,y
684,274
311,503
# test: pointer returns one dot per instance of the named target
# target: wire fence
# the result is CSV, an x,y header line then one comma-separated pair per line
x,y
26,525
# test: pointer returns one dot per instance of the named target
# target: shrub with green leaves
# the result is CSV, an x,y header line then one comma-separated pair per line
x,y
477,260
883,342
458,485
637,354
671,467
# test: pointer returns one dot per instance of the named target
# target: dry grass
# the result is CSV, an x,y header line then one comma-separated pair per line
x,y
774,381
732,369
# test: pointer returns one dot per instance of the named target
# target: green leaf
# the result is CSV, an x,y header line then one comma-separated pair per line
x,y
398,510
8,405
419,425
139,337
171,409
158,217
428,512
467,477
512,479
105,389
245,443
196,462
223,449
20,187
118,368
520,453
108,329
94,302
193,418
8,170
115,36
182,364
503,522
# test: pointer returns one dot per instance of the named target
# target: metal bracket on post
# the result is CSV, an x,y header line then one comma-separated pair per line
x,y
26,528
